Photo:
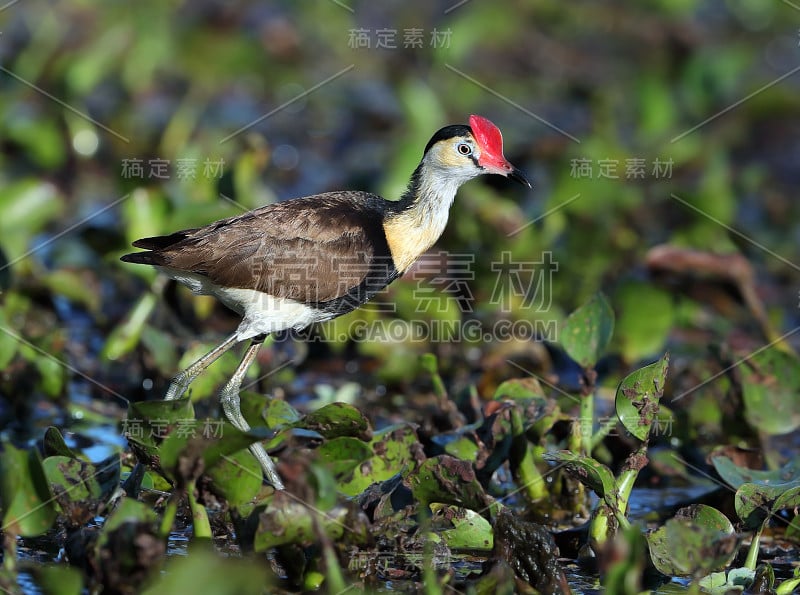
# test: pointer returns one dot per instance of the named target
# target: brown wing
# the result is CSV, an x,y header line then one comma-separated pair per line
x,y
313,249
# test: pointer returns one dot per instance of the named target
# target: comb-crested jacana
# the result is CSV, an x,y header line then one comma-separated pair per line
x,y
291,264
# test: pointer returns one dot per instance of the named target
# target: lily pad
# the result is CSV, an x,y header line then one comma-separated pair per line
x,y
587,331
638,395
697,541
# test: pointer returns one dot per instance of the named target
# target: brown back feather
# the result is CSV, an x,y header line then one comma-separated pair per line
x,y
312,249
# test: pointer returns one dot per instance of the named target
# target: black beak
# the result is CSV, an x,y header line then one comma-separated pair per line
x,y
516,174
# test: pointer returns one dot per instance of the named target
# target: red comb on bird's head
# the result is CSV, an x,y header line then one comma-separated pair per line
x,y
487,134
490,141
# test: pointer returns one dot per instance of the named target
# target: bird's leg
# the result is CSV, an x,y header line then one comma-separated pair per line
x,y
183,379
229,399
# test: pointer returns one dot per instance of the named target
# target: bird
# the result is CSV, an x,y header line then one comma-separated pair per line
x,y
301,261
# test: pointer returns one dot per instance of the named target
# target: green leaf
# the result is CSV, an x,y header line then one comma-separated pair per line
x,y
229,441
337,419
519,389
789,586
638,395
429,362
238,477
278,412
56,579
182,451
587,331
787,500
736,476
756,502
470,531
697,541
41,137
646,317
594,475
722,583
771,391
74,480
27,206
324,484
394,450
125,337
129,510
463,447
341,455
448,480
149,422
54,444
207,572
28,505
288,520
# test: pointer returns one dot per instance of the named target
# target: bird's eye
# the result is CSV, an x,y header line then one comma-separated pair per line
x,y
464,148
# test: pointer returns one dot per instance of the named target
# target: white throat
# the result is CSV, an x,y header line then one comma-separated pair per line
x,y
415,230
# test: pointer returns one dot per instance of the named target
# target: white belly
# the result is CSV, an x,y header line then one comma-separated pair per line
x,y
262,313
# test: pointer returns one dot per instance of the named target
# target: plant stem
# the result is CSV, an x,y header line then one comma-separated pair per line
x,y
10,552
752,554
168,519
624,487
586,417
526,474
202,528
586,423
